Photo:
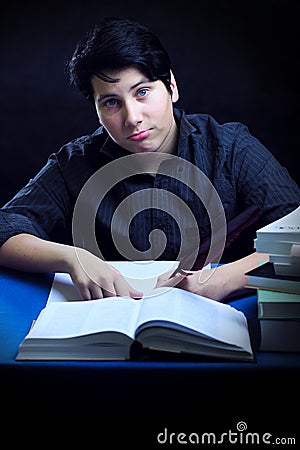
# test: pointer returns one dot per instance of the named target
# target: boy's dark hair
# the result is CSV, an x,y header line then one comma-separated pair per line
x,y
118,43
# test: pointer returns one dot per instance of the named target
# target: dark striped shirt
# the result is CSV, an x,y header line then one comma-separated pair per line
x,y
240,168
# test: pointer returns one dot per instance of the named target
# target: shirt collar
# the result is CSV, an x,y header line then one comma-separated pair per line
x,y
113,150
185,130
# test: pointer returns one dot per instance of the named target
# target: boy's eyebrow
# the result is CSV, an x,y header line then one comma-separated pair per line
x,y
144,80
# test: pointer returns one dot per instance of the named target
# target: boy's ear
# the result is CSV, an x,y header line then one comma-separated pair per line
x,y
173,84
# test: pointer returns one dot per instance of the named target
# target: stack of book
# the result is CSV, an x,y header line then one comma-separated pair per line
x,y
278,284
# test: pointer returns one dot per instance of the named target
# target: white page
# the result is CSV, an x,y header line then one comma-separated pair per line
x,y
63,289
141,274
212,318
290,223
67,319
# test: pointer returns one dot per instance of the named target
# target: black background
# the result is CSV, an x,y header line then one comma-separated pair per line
x,y
236,60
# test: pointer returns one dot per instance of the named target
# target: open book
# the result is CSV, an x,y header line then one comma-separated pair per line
x,y
168,320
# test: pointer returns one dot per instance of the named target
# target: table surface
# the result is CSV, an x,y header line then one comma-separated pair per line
x,y
23,295
171,387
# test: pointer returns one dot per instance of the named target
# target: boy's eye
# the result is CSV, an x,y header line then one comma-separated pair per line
x,y
142,92
111,102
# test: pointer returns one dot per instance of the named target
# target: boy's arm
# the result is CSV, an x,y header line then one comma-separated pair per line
x,y
220,282
93,277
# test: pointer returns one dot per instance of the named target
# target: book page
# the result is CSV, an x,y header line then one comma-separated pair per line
x,y
214,319
70,319
143,275
140,274
63,289
290,223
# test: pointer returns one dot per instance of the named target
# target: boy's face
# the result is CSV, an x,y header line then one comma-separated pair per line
x,y
136,113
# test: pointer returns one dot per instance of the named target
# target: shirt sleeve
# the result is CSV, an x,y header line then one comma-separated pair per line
x,y
40,208
261,180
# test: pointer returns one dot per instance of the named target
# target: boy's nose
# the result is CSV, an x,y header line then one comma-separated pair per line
x,y
132,115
